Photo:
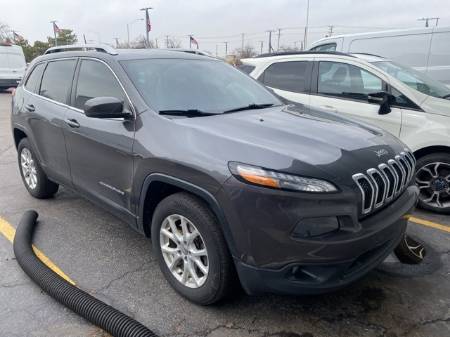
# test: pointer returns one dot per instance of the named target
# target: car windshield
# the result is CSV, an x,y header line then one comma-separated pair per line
x,y
208,86
415,79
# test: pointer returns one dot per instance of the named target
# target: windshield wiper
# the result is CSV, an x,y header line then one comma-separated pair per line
x,y
446,96
250,107
187,113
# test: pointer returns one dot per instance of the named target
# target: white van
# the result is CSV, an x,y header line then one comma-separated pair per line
x,y
12,65
424,49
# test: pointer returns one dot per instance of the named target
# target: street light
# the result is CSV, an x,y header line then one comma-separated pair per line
x,y
128,29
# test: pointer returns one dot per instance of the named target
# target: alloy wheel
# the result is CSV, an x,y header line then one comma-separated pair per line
x,y
28,167
184,251
433,180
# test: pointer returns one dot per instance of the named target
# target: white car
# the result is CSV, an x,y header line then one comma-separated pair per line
x,y
12,65
403,101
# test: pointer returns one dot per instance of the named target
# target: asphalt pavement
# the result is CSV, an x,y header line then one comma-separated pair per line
x,y
108,259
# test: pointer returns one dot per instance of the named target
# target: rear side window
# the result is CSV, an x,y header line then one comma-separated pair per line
x,y
347,81
246,68
96,80
329,47
34,80
57,80
289,76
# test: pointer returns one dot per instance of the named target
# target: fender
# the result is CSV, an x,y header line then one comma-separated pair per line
x,y
194,189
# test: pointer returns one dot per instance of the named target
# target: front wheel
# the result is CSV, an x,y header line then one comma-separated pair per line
x,y
33,176
433,180
191,249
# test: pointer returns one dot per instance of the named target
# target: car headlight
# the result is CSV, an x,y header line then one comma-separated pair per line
x,y
259,176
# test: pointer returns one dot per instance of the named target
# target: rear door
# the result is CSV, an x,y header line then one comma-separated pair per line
x,y
289,79
45,106
100,150
343,88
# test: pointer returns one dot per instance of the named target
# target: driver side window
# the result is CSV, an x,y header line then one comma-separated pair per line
x,y
96,80
346,81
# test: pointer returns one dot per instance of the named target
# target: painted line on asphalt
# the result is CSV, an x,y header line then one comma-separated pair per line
x,y
428,223
8,232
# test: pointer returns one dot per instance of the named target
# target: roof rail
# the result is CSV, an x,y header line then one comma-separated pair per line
x,y
83,47
307,52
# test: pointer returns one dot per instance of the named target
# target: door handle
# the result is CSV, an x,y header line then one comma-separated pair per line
x,y
30,107
72,123
329,108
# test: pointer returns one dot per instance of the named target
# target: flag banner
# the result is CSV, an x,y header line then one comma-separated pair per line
x,y
194,41
56,29
18,37
147,20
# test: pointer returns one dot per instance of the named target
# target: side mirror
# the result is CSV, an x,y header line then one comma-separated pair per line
x,y
105,107
384,99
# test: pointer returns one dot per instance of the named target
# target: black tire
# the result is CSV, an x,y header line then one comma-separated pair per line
x,y
410,250
220,278
44,188
427,160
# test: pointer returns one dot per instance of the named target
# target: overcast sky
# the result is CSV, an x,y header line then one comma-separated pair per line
x,y
216,21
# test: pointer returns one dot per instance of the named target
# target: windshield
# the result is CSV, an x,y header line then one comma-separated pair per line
x,y
204,85
414,79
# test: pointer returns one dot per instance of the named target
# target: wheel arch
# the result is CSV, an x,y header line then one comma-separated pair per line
x,y
431,149
158,186
18,134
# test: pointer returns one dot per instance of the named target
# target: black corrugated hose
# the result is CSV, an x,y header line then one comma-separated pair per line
x,y
85,305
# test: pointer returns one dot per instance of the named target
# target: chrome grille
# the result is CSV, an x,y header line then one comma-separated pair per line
x,y
378,186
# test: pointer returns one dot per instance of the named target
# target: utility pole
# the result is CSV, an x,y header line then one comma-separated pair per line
x,y
54,31
156,43
278,41
427,20
261,43
226,48
190,41
330,30
305,39
128,30
147,23
242,46
117,41
270,40
167,41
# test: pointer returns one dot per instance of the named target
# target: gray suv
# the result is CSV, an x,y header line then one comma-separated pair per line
x,y
231,184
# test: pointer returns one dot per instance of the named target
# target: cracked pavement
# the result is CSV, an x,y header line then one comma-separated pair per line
x,y
108,259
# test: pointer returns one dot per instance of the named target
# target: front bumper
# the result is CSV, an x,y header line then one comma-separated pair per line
x,y
275,261
9,82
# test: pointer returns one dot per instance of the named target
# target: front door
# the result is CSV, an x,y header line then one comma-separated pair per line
x,y
100,150
343,88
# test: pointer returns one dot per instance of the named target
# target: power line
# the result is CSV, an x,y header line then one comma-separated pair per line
x,y
427,20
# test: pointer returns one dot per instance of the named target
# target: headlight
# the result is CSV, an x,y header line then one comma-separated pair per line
x,y
259,176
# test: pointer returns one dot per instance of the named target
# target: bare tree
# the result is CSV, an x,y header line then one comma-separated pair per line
x,y
173,43
247,52
5,32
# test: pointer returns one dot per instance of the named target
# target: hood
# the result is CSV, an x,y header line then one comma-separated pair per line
x,y
289,140
436,105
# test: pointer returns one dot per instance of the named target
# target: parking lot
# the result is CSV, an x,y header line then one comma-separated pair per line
x,y
109,260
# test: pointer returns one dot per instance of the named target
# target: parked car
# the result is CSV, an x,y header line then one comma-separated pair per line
x,y
224,178
405,102
424,49
12,65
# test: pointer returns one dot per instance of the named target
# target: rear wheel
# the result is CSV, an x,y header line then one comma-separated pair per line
x,y
191,249
33,177
433,179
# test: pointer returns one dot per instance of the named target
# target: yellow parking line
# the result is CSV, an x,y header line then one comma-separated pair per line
x,y
428,223
8,232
